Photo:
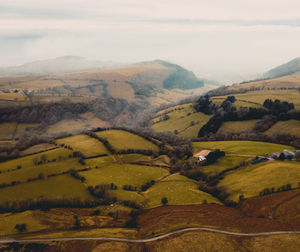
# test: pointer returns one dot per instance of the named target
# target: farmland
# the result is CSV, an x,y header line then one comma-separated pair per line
x,y
123,140
183,120
63,186
241,147
178,190
291,127
28,161
38,148
261,95
237,126
46,169
222,164
251,180
123,174
88,146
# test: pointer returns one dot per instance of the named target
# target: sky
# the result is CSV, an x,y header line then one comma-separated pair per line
x,y
217,39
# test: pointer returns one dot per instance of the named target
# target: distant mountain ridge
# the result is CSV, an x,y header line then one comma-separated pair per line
x,y
288,68
64,64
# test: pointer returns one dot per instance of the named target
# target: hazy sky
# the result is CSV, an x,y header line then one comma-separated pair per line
x,y
211,37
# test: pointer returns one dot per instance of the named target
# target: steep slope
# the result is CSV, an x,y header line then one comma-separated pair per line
x,y
290,67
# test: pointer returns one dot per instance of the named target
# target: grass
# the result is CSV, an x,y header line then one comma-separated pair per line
x,y
22,128
33,171
237,126
68,125
55,187
124,174
8,222
261,95
179,190
291,127
253,179
123,140
186,121
25,162
241,147
38,148
7,143
88,146
7,130
222,164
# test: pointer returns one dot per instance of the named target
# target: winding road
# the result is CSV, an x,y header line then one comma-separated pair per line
x,y
10,240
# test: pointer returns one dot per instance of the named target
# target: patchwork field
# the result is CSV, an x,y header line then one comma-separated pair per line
x,y
183,120
178,190
88,146
261,95
28,161
291,127
222,164
38,148
241,147
63,186
7,130
237,127
123,140
123,174
31,172
251,180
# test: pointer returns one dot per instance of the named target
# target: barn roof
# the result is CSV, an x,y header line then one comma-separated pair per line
x,y
203,153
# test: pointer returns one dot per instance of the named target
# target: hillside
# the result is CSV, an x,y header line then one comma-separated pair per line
x,y
288,68
54,66
122,183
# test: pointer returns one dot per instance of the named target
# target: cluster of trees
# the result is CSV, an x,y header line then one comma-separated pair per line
x,y
47,203
147,185
130,188
274,111
76,175
277,107
102,191
205,105
283,188
213,156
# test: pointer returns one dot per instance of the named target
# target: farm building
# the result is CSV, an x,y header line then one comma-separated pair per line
x,y
202,153
201,156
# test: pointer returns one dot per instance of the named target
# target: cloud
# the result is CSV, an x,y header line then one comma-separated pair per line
x,y
207,36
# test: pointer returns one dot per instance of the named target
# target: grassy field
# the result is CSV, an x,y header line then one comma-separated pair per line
x,y
22,128
222,164
123,174
7,130
55,187
185,120
123,140
88,146
261,95
238,103
38,148
8,222
288,81
236,126
241,147
58,154
253,179
68,125
33,171
179,190
7,143
291,127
